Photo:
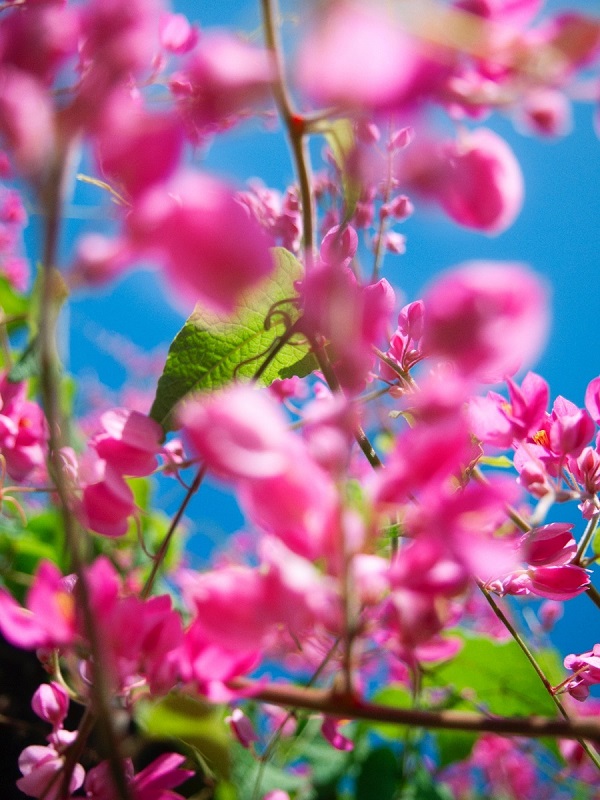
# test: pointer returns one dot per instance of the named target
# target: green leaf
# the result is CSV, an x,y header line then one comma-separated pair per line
x,y
379,775
340,138
501,462
423,786
453,746
13,305
212,349
28,365
495,675
196,724
254,779
394,697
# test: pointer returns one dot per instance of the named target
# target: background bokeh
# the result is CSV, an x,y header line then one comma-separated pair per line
x,y
557,233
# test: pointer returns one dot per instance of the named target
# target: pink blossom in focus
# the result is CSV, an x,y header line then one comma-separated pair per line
x,y
192,226
489,318
549,545
569,428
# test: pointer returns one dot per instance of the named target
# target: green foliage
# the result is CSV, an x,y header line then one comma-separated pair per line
x,y
253,779
495,676
341,140
14,306
211,350
27,365
423,786
195,724
22,548
378,776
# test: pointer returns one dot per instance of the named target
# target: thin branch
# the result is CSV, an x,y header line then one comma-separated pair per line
x,y
341,706
51,197
162,551
534,663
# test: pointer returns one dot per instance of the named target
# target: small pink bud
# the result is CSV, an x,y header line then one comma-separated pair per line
x,y
401,139
241,727
339,245
51,703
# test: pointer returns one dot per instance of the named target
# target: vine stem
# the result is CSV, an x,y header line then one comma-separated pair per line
x,y
51,193
342,706
295,125
534,663
586,539
162,551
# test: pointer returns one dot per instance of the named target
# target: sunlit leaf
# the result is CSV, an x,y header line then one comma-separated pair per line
x,y
213,349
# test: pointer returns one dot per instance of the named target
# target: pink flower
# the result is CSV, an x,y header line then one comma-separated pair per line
x,y
330,731
49,619
592,399
350,316
176,33
23,99
128,441
239,433
223,78
586,667
210,666
194,225
546,112
242,728
51,703
550,545
489,318
23,431
42,769
136,149
476,180
358,57
561,582
152,783
107,501
569,428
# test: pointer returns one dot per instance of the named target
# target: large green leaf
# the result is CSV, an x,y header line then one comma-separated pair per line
x,y
252,778
497,676
196,724
379,776
212,349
